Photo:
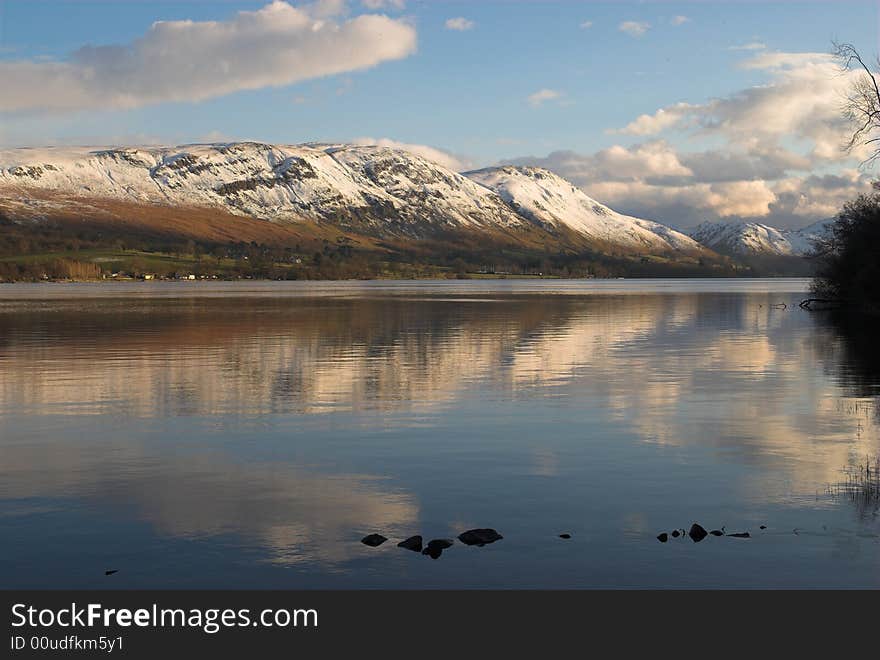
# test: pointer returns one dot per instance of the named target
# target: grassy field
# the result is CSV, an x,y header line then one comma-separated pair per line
x,y
138,264
111,261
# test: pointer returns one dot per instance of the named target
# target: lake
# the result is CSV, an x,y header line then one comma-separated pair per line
x,y
249,434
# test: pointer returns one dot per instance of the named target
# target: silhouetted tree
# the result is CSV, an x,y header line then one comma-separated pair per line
x,y
849,257
862,101
848,264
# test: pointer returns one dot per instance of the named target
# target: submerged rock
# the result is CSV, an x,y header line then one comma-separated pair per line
x,y
436,547
565,535
741,535
479,537
413,543
373,540
697,533
663,538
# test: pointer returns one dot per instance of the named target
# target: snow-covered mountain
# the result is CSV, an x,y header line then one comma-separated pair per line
x,y
751,238
386,188
366,189
551,201
803,240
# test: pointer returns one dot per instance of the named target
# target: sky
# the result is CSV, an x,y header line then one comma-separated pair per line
x,y
681,112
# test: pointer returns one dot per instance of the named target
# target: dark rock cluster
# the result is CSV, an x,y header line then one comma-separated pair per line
x,y
697,533
435,547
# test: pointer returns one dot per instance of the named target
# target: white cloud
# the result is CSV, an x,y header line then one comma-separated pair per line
x,y
687,205
765,162
325,8
586,25
438,156
634,28
680,20
653,180
651,161
777,61
659,121
192,61
460,24
801,100
818,196
542,96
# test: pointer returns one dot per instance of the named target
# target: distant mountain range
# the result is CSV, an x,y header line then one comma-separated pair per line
x,y
376,196
739,239
372,191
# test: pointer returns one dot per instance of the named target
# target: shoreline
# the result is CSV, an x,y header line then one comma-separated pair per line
x,y
470,278
306,288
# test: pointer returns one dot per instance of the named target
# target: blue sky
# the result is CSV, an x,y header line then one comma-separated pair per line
x,y
467,92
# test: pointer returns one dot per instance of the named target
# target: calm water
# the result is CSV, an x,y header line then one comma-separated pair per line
x,y
248,435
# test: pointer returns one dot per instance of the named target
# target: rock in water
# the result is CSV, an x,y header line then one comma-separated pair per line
x,y
697,533
676,534
741,535
111,572
663,538
373,540
413,543
565,536
716,532
479,537
763,526
442,544
436,547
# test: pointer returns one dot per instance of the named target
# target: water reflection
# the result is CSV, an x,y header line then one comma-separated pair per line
x,y
294,423
256,357
850,349
290,512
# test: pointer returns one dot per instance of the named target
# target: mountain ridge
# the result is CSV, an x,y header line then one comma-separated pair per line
x,y
744,239
377,191
550,200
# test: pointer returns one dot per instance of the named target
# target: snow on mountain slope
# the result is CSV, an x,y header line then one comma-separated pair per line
x,y
251,179
803,240
372,189
742,238
752,238
550,200
380,187
434,190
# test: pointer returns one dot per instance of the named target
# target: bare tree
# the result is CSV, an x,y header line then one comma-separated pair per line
x,y
862,101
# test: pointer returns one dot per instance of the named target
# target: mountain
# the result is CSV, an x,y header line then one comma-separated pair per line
x,y
803,240
755,239
552,202
368,190
320,211
383,189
